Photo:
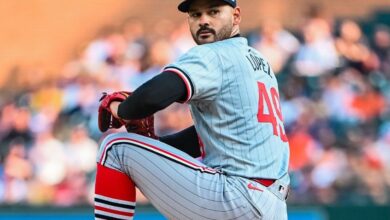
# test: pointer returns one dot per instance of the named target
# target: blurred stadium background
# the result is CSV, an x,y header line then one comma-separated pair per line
x,y
332,60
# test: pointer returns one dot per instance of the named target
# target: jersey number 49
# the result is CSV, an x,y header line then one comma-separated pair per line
x,y
262,116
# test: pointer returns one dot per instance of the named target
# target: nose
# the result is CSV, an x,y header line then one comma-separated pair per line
x,y
204,20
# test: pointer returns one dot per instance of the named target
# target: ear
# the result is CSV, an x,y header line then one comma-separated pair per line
x,y
236,15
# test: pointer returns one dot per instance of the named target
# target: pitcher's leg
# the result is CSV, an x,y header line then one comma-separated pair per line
x,y
178,185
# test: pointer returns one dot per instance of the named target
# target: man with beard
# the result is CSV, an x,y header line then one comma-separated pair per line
x,y
238,132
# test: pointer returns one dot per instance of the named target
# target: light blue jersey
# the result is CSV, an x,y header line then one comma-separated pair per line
x,y
234,100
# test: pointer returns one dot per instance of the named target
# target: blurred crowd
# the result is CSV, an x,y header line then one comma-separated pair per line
x,y
334,82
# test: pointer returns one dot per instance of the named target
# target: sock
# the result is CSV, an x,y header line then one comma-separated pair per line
x,y
114,194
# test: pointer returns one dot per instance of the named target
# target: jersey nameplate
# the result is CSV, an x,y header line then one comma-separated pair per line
x,y
258,63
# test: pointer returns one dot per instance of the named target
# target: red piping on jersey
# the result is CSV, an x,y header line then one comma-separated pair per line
x,y
202,150
185,80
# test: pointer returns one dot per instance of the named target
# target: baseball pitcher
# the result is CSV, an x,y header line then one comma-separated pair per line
x,y
238,131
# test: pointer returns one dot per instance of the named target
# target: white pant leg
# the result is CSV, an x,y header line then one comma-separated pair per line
x,y
179,186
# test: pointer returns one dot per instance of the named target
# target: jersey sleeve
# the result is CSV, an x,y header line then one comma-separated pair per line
x,y
201,71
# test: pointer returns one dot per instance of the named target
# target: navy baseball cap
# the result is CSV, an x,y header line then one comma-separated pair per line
x,y
185,5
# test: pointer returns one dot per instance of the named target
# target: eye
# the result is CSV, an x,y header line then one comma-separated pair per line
x,y
214,12
195,14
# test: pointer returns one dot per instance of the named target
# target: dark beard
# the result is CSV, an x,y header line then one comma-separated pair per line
x,y
223,34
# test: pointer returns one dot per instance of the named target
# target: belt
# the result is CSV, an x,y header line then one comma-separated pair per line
x,y
265,182
279,190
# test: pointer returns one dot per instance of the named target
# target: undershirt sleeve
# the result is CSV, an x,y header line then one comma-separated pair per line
x,y
154,95
185,140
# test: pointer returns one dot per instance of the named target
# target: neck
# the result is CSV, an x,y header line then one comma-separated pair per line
x,y
235,31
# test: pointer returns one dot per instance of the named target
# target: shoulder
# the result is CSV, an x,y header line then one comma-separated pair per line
x,y
201,50
256,52
200,54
